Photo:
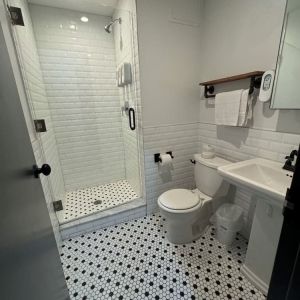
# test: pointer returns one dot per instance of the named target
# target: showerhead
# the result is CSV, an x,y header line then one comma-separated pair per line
x,y
108,27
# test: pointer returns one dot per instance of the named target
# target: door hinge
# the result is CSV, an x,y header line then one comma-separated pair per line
x,y
16,15
57,205
40,125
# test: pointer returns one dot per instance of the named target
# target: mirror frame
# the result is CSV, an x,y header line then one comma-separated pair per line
x,y
280,49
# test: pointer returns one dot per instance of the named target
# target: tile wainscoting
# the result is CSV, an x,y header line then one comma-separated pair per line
x,y
233,143
183,141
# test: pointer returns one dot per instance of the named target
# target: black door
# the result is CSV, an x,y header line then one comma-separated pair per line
x,y
30,267
285,281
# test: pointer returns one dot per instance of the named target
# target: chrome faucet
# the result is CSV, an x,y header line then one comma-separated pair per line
x,y
289,161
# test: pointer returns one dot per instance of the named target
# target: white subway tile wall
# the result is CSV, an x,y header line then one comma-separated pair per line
x,y
233,143
79,68
53,185
245,143
183,141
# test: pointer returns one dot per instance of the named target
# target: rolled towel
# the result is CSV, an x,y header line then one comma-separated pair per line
x,y
243,113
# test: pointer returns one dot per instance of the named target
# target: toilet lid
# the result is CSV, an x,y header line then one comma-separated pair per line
x,y
179,199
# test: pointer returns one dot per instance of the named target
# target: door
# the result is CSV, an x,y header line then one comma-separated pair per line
x,y
285,281
30,266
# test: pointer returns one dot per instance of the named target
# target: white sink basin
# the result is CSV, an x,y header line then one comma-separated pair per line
x,y
262,175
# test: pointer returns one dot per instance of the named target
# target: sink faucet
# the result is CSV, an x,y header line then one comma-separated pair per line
x,y
289,161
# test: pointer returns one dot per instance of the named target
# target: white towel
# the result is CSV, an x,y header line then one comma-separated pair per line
x,y
227,108
250,108
243,113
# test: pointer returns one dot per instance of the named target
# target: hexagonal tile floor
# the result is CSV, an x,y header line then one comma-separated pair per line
x,y
84,202
134,260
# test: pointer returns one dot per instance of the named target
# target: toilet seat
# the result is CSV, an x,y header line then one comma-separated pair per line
x,y
179,199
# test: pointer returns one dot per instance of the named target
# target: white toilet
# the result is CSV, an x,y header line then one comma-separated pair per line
x,y
187,212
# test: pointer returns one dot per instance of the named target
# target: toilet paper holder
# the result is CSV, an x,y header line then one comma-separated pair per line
x,y
157,156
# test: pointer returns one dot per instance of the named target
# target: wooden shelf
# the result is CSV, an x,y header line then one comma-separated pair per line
x,y
233,78
255,77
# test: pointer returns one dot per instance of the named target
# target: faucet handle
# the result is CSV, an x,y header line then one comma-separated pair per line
x,y
292,155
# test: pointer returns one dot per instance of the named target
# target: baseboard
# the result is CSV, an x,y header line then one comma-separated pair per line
x,y
255,280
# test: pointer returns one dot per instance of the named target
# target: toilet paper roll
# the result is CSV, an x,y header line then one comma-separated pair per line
x,y
165,166
208,151
208,154
207,148
166,160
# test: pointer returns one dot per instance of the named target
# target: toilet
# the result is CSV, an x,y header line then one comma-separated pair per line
x,y
187,212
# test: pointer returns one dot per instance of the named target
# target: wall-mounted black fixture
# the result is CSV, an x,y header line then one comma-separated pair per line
x,y
16,15
131,117
40,125
289,161
157,156
57,205
193,161
255,82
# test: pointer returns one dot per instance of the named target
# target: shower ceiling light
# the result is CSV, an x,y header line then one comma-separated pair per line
x,y
84,19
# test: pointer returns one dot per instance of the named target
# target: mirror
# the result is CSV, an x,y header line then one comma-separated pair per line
x,y
286,93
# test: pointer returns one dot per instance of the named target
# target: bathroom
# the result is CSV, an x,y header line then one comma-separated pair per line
x,y
117,102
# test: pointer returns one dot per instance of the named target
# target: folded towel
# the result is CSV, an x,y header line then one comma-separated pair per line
x,y
227,108
250,108
243,113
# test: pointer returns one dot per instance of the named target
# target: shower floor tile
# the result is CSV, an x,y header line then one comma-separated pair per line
x,y
80,203
134,260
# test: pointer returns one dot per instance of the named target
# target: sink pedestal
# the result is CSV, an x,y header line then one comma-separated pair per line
x,y
269,183
263,242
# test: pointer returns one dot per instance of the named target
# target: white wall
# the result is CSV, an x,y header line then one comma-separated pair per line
x,y
169,37
79,70
170,60
242,36
239,37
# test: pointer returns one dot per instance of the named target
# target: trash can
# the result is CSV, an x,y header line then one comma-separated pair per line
x,y
229,220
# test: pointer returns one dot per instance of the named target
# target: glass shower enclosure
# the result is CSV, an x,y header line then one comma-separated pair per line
x,y
80,72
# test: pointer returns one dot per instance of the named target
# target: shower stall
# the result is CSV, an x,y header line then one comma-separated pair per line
x,y
83,116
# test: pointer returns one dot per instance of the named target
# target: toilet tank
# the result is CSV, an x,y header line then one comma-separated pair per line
x,y
207,178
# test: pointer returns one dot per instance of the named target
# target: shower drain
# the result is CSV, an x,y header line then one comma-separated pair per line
x,y
97,202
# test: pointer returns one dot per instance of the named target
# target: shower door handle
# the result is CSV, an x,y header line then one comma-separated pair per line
x,y
131,117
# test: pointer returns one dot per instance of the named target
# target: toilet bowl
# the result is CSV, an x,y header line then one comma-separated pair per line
x,y
187,212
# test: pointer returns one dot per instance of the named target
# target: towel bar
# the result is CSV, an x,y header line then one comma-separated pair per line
x,y
255,82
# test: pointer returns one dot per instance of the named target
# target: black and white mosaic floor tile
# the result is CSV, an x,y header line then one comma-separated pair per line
x,y
87,201
134,261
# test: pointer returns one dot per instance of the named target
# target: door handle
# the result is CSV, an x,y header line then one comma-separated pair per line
x,y
45,170
131,116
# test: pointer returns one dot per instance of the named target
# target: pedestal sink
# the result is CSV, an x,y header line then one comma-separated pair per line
x,y
268,182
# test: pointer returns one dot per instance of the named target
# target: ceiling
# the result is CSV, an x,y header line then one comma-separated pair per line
x,y
99,7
